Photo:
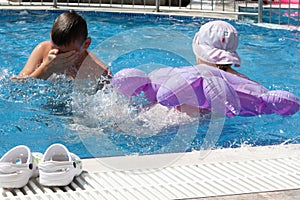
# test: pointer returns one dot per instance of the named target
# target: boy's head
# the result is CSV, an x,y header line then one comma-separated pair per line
x,y
69,28
216,43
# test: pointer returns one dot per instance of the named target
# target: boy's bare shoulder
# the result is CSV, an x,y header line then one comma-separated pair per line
x,y
42,48
96,61
46,45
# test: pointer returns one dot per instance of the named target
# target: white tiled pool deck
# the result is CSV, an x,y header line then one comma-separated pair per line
x,y
269,172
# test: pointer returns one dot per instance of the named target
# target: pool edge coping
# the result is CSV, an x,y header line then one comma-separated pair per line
x,y
134,162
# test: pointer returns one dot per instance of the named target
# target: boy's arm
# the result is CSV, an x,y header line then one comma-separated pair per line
x,y
105,76
55,62
95,70
44,61
35,59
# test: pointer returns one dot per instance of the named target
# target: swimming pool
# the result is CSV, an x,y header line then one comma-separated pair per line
x,y
38,113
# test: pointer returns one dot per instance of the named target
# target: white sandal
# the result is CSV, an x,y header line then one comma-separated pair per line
x,y
17,166
58,166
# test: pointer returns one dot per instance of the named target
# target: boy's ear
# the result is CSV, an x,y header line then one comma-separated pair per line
x,y
87,42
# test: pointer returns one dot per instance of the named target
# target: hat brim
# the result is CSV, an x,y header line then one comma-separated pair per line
x,y
216,56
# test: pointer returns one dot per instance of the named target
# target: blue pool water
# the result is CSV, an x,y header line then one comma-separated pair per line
x,y
38,113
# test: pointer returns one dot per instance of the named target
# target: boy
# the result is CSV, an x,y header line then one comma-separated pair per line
x,y
66,52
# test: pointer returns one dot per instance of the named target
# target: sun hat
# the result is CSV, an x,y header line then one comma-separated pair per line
x,y
216,42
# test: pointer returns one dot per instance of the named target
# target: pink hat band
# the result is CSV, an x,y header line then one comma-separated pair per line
x,y
216,43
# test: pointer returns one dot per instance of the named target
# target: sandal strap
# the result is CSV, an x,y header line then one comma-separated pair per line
x,y
52,166
8,168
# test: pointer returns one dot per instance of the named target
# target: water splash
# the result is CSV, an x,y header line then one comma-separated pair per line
x,y
107,109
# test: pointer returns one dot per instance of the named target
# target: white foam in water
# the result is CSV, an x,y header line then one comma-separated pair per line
x,y
153,120
110,109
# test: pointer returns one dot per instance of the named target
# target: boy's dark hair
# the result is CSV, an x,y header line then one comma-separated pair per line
x,y
67,28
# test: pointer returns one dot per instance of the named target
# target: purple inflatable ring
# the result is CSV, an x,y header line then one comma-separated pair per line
x,y
205,87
